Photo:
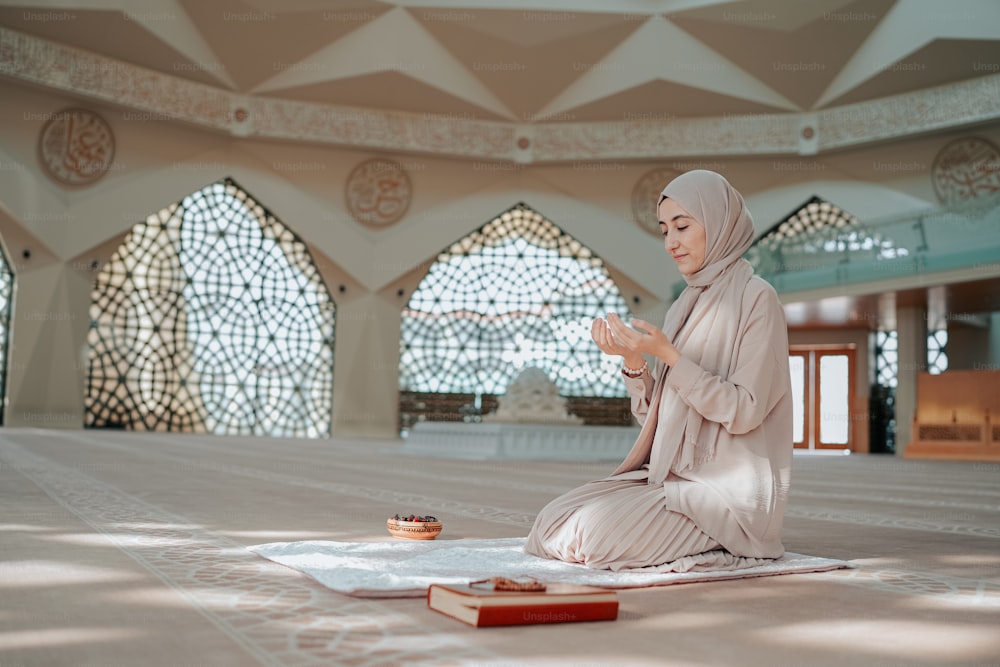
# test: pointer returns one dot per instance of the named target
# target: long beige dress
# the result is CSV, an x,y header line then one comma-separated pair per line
x,y
651,511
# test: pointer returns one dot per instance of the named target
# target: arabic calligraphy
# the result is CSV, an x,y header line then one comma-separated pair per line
x,y
966,169
645,194
76,146
378,192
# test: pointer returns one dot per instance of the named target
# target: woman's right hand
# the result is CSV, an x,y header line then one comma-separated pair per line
x,y
601,334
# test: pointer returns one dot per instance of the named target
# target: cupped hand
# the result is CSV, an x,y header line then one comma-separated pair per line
x,y
601,333
645,338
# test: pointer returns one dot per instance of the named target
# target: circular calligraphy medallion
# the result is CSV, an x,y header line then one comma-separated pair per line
x,y
645,195
378,192
76,147
966,169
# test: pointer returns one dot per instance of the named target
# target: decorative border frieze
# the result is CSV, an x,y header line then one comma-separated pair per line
x,y
91,75
952,105
376,128
727,135
163,96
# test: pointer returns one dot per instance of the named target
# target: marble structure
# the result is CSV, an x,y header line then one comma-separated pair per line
x,y
532,398
531,422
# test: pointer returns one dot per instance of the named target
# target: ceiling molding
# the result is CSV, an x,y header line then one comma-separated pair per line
x,y
151,95
955,105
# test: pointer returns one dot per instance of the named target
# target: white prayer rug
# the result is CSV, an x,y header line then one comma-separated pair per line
x,y
407,568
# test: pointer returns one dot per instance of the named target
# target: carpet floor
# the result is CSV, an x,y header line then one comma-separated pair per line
x,y
131,549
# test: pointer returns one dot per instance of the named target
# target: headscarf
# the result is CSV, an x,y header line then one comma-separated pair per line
x,y
703,323
720,208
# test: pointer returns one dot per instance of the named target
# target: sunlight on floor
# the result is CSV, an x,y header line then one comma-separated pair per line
x,y
156,525
111,539
919,640
175,570
978,562
22,528
590,661
30,573
693,620
163,597
278,535
56,636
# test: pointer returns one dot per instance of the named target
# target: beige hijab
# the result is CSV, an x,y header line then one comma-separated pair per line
x,y
704,321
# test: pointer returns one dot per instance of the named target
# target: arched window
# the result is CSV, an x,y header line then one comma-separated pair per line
x,y
211,317
6,300
516,293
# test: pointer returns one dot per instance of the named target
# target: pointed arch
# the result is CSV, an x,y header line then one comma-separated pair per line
x,y
516,292
211,317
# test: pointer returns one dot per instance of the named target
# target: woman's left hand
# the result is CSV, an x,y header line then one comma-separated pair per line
x,y
649,339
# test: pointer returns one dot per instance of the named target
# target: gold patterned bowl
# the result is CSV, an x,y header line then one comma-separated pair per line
x,y
413,530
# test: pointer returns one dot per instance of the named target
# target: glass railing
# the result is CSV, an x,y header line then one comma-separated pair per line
x,y
939,239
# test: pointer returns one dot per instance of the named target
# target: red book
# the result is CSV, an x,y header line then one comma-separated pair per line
x,y
481,606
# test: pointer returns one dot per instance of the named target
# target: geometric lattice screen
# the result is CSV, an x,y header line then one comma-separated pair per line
x,y
6,301
517,292
937,351
882,400
211,317
886,358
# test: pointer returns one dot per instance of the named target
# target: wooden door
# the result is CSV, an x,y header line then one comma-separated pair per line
x,y
822,394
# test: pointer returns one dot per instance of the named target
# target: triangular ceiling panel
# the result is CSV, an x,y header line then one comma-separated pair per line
x,y
342,10
111,33
523,28
256,43
529,61
383,91
513,73
800,63
908,26
770,14
168,20
940,62
658,101
403,45
660,51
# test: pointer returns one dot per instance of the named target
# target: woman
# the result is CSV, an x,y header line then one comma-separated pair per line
x,y
707,479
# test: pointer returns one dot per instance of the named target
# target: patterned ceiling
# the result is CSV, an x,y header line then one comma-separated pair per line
x,y
540,61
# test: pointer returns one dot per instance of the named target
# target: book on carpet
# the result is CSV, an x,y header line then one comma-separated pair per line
x,y
482,606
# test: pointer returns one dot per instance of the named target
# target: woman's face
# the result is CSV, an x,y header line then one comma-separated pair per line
x,y
684,237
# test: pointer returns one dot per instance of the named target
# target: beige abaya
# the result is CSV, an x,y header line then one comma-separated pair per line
x,y
709,472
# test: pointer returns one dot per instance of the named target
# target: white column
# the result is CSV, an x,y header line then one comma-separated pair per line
x,y
366,368
911,328
47,348
994,346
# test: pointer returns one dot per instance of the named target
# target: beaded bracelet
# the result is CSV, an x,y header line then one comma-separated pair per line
x,y
634,372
